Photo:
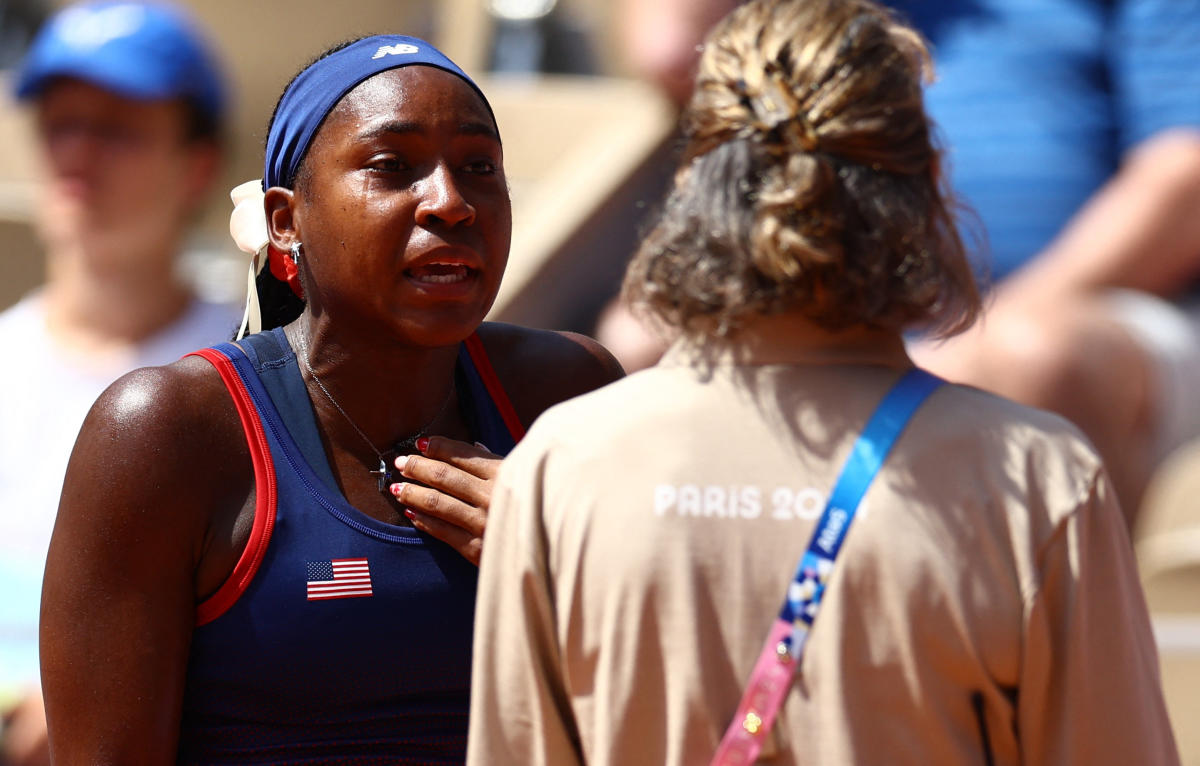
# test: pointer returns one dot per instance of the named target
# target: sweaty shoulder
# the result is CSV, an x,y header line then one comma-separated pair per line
x,y
153,407
540,368
163,439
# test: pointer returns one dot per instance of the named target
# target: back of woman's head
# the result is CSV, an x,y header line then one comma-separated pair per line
x,y
809,181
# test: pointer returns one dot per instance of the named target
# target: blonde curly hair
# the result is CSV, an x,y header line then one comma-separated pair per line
x,y
809,181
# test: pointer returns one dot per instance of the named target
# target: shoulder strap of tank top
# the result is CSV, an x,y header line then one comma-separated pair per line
x,y
224,358
275,362
496,417
493,419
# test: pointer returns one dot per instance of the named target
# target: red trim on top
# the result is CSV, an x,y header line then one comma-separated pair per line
x,y
483,365
265,494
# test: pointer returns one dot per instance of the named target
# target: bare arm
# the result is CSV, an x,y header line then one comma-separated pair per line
x,y
24,733
122,573
1139,231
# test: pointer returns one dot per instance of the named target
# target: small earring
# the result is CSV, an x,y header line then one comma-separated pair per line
x,y
295,252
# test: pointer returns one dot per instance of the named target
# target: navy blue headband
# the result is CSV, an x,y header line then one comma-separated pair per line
x,y
317,90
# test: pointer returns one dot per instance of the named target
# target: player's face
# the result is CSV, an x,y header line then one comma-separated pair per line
x,y
403,209
122,179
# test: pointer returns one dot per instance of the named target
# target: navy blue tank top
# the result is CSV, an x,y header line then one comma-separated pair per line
x,y
338,638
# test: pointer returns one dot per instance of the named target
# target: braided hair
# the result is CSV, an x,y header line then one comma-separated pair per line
x,y
810,181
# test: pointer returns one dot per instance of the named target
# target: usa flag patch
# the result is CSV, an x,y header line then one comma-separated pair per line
x,y
338,578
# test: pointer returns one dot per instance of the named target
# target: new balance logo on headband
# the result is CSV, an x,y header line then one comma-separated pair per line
x,y
395,50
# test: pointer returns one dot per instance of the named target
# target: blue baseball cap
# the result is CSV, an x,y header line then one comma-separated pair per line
x,y
144,51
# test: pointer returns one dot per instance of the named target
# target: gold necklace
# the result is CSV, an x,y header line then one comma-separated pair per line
x,y
383,473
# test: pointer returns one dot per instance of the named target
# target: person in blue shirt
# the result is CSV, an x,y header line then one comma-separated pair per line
x,y
1073,132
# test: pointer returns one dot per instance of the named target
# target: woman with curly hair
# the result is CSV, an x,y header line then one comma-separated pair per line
x,y
956,582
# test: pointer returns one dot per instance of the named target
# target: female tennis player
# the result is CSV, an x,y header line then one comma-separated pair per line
x,y
266,552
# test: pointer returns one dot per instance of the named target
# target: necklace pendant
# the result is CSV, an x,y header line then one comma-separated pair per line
x,y
385,476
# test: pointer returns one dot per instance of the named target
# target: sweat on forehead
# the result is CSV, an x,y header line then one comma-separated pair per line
x,y
318,89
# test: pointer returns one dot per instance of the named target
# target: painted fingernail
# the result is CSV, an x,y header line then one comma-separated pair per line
x,y
397,488
410,513
423,444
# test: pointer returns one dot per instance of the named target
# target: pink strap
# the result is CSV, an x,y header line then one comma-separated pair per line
x,y
769,684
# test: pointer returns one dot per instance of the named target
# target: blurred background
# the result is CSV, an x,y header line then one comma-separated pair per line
x,y
588,145
580,133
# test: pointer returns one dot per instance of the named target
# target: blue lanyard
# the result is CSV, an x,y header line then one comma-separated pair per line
x,y
870,450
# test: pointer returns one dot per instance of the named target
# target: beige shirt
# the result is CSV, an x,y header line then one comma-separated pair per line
x,y
984,610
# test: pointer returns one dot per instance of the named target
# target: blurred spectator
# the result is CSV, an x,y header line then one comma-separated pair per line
x,y
1072,131
129,102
